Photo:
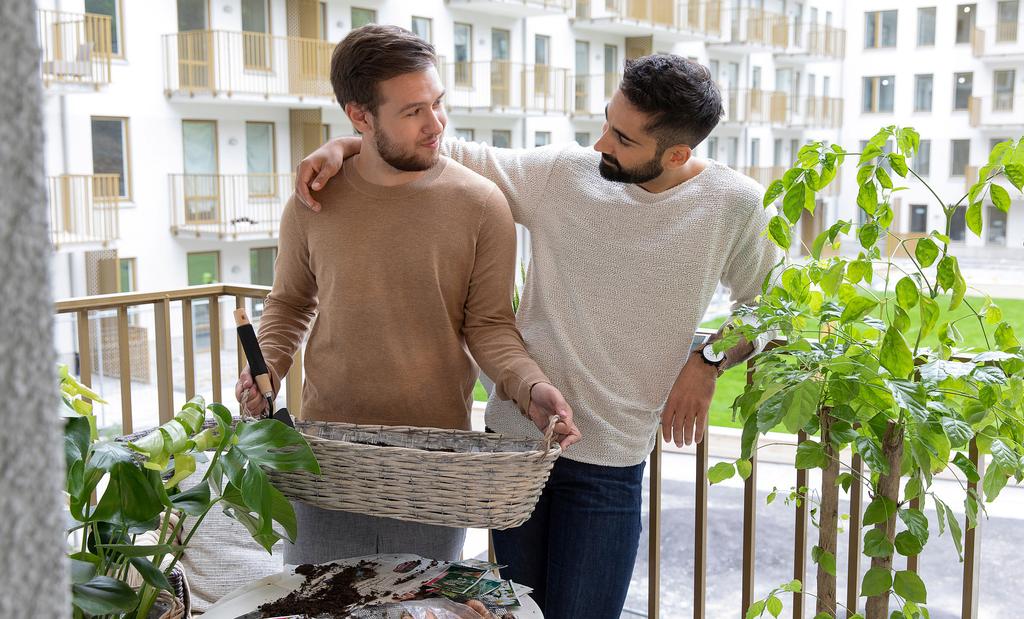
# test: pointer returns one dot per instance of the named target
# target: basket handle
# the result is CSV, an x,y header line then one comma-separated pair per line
x,y
549,432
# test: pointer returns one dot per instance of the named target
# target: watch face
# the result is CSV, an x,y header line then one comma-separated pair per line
x,y
711,355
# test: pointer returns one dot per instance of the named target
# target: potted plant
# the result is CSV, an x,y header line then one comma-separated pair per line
x,y
118,491
870,362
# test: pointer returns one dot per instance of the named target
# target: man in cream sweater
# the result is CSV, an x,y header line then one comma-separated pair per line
x,y
629,242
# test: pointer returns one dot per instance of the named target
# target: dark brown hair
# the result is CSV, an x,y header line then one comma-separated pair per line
x,y
683,101
372,54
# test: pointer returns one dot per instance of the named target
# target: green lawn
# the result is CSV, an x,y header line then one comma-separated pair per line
x,y
731,383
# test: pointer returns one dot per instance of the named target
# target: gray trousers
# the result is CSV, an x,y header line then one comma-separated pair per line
x,y
325,535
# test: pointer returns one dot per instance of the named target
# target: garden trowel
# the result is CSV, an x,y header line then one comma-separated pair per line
x,y
258,367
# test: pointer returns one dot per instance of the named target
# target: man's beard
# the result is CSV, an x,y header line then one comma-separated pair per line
x,y
401,159
612,170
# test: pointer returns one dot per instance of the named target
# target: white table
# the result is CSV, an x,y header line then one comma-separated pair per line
x,y
248,598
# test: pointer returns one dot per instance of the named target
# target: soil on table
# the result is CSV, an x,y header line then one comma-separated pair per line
x,y
334,596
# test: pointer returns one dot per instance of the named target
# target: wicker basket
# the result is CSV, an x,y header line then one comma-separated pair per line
x,y
452,478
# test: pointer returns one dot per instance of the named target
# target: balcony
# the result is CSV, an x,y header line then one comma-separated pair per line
x,y
229,206
817,112
753,29
83,209
514,8
590,94
246,65
1003,111
75,47
501,88
1003,42
684,20
756,107
815,43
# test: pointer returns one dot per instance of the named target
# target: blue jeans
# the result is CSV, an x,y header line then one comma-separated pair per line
x,y
578,548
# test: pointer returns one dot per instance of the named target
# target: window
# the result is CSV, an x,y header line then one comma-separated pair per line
x,y
755,152
464,134
794,148
958,224
826,86
1002,99
255,28
879,29
361,17
963,85
922,93
923,159
611,70
996,230
501,138
926,26
463,54
581,89
423,27
201,180
583,138
110,152
542,58
777,152
1007,12
203,268
712,148
261,265
878,94
127,274
960,155
965,22
112,9
325,134
732,149
542,138
259,157
919,218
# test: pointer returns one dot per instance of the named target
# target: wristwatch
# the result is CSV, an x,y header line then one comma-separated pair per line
x,y
712,358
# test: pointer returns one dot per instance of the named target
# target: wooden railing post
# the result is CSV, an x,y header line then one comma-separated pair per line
x,y
853,547
749,520
972,546
164,374
124,368
700,532
654,535
800,535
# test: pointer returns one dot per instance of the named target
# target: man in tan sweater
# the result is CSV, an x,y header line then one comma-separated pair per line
x,y
401,286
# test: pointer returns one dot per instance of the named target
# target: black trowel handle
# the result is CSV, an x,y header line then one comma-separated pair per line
x,y
258,366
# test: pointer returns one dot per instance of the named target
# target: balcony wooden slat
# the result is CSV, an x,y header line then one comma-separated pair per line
x,y
188,340
124,369
164,372
214,302
84,348
294,386
800,535
654,534
700,541
853,544
972,545
749,520
240,304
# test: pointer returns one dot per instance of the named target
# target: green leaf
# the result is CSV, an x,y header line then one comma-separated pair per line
x,y
899,164
868,235
946,274
793,586
778,231
958,431
907,293
969,470
973,218
800,404
870,152
917,523
755,609
825,559
859,270
994,482
774,606
872,454
876,544
1004,456
271,444
907,544
104,595
819,244
743,468
883,178
867,198
1000,197
721,472
793,203
954,530
1005,337
895,355
194,501
909,586
130,499
151,573
926,252
857,308
83,566
929,315
774,190
1015,173
876,582
147,550
879,510
811,454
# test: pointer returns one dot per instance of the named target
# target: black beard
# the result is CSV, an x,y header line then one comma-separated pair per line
x,y
400,160
644,173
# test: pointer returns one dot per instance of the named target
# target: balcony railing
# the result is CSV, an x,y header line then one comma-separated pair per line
x,y
818,41
216,62
758,28
515,8
590,93
825,112
229,206
502,86
697,18
1001,110
1005,39
83,209
76,48
756,106
202,309
766,174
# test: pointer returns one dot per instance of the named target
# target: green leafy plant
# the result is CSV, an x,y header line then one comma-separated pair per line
x,y
117,491
865,365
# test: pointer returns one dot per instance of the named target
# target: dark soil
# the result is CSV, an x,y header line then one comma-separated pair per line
x,y
333,598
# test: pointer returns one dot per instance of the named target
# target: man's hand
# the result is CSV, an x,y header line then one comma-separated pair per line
x,y
251,402
546,401
686,412
316,169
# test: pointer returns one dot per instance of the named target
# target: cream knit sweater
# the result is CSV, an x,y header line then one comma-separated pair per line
x,y
618,282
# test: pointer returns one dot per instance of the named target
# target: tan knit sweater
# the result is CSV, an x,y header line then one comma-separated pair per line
x,y
405,283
